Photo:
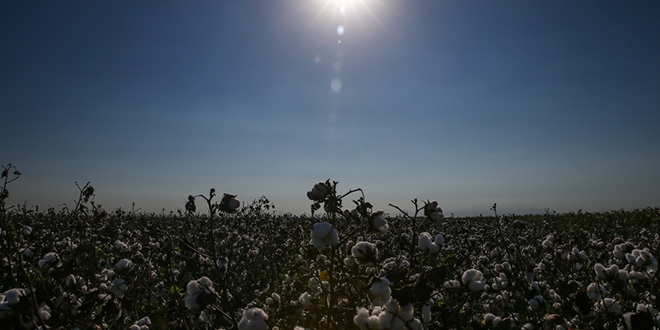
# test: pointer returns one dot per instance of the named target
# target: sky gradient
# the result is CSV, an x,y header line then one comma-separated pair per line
x,y
527,104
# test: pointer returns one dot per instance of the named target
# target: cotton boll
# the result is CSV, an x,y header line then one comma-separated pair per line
x,y
426,313
406,312
414,325
471,275
391,307
362,318
372,321
475,286
253,319
439,240
13,296
600,270
380,292
306,300
472,279
596,291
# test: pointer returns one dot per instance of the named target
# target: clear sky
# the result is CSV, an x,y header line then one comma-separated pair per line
x,y
529,104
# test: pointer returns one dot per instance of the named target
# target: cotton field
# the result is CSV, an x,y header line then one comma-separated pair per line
x,y
349,265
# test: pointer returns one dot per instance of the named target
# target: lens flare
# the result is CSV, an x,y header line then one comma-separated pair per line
x,y
335,85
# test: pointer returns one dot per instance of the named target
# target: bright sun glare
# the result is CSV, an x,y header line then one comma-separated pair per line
x,y
353,10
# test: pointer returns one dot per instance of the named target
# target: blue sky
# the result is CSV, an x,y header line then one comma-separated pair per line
x,y
527,104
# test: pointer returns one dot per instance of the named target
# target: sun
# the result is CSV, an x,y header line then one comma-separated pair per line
x,y
358,12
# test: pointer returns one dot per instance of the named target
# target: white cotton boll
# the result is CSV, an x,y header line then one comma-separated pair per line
x,y
475,286
253,319
321,229
118,288
364,252
489,317
633,274
349,261
600,271
119,245
380,287
610,305
426,313
391,307
378,222
472,279
361,319
134,327
49,260
385,318
124,265
471,275
323,235
596,291
13,296
406,312
193,288
415,325
439,240
372,322
191,302
618,253
306,300
205,281
622,275
144,321
380,292
452,284
424,241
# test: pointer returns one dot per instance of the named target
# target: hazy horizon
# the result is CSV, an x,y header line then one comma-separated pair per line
x,y
530,105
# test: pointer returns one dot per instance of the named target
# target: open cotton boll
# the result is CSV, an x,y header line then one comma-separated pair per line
x,y
426,244
324,235
319,191
364,252
426,313
362,318
600,271
253,319
380,292
406,312
13,296
439,240
472,278
378,224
